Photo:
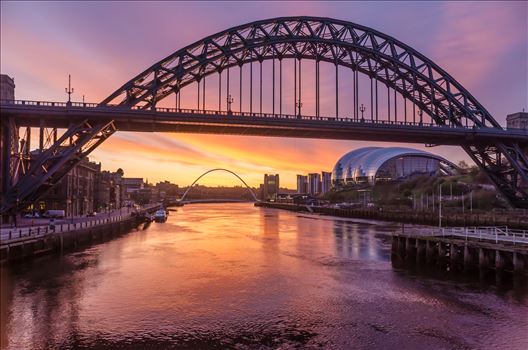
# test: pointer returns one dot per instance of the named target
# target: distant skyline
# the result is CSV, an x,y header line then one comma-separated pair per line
x,y
484,45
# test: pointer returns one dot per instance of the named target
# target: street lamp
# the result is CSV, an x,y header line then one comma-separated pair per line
x,y
229,102
69,90
362,109
299,105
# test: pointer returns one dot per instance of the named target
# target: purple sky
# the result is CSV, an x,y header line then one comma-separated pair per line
x,y
484,45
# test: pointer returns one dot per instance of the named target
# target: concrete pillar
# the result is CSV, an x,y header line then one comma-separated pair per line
x,y
518,262
442,250
394,245
483,259
410,248
401,245
430,251
499,260
420,249
453,252
468,256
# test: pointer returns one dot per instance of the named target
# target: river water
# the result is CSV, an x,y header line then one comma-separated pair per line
x,y
237,276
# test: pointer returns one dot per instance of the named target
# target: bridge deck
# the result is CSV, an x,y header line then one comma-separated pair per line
x,y
60,115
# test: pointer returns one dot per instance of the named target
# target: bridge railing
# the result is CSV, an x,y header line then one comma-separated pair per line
x,y
190,111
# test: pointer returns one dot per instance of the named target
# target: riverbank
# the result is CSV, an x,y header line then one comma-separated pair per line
x,y
25,243
413,217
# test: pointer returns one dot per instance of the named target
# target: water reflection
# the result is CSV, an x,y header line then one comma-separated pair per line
x,y
236,276
504,283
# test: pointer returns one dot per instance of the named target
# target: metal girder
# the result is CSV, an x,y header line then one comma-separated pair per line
x,y
507,167
362,49
52,164
348,44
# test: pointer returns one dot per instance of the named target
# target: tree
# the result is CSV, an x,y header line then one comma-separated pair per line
x,y
463,165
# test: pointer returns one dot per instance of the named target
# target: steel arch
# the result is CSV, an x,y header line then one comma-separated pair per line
x,y
373,53
219,169
379,56
360,48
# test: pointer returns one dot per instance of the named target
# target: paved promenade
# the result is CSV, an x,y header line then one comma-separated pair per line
x,y
28,228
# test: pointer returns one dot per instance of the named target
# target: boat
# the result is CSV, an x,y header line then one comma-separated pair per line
x,y
160,215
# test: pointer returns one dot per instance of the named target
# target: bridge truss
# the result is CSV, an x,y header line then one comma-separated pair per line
x,y
417,90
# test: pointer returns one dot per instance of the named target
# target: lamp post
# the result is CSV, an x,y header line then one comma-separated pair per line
x,y
362,109
299,105
229,102
69,90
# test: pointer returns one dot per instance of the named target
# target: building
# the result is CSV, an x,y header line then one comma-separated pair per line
x,y
109,190
74,193
132,185
326,181
314,183
302,184
8,137
517,120
368,165
270,188
7,88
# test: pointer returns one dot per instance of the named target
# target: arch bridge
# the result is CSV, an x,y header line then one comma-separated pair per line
x,y
219,169
394,93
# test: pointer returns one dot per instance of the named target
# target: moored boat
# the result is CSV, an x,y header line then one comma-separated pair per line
x,y
160,215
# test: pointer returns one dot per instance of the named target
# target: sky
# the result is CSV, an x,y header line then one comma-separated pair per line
x,y
483,45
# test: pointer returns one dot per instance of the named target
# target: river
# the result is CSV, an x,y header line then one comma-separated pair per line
x,y
237,276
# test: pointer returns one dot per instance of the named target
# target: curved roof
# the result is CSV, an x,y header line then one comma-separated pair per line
x,y
367,161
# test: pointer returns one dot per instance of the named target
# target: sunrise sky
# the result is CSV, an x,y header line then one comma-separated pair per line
x,y
484,45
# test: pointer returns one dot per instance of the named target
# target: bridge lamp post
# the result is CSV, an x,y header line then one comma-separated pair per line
x,y
299,105
69,90
229,102
362,109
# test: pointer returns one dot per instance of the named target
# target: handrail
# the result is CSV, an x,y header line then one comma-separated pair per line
x,y
162,110
491,233
13,235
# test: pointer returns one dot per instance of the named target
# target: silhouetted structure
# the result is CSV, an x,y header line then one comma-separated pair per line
x,y
270,188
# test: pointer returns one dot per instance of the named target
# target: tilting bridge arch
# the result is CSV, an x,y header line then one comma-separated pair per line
x,y
219,169
433,93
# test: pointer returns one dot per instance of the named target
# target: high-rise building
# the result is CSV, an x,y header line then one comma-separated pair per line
x,y
302,184
326,181
314,183
271,187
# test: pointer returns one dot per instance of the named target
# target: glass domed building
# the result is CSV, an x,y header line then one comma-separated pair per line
x,y
371,164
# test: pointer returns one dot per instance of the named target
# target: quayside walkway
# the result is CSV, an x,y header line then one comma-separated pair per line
x,y
463,248
28,241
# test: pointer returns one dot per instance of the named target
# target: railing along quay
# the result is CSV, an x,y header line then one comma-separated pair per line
x,y
484,233
462,248
16,235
